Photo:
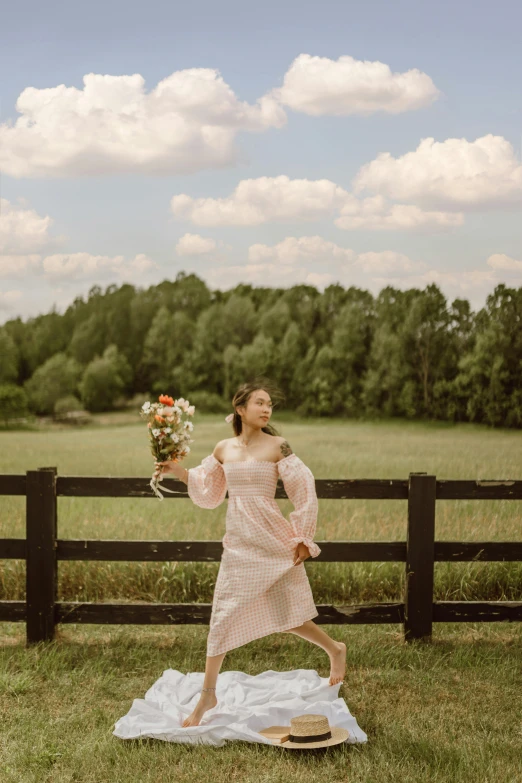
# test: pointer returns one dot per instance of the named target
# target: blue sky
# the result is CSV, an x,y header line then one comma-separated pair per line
x,y
336,185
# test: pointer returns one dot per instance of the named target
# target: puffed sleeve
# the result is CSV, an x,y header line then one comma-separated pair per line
x,y
206,483
299,484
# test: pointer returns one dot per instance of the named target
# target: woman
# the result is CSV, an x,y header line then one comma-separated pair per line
x,y
262,586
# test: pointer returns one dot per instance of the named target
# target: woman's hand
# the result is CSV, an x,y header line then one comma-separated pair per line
x,y
301,553
164,467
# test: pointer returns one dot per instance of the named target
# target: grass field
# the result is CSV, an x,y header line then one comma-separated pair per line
x,y
446,711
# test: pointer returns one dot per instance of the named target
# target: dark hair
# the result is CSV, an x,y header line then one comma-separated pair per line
x,y
242,396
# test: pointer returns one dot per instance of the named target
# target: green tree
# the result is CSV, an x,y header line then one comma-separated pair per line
x,y
275,320
13,402
450,397
165,350
324,386
46,335
9,354
57,377
205,360
123,368
387,374
104,380
425,346
88,338
251,360
289,352
490,375
240,318
351,340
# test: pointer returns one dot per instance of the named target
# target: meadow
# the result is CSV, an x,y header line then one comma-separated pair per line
x,y
449,710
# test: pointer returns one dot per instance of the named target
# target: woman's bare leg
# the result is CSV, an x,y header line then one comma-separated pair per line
x,y
336,650
207,699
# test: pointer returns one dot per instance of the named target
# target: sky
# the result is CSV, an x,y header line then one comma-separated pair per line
x,y
274,143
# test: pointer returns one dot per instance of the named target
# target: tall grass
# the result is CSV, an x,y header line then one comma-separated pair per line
x,y
332,449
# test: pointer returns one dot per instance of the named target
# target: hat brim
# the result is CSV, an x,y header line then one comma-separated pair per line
x,y
338,735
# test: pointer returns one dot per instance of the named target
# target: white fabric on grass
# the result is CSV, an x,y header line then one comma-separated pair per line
x,y
246,704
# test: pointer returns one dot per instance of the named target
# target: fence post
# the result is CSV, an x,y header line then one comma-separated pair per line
x,y
41,563
420,549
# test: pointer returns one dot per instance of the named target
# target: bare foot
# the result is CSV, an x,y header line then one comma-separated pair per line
x,y
207,700
338,664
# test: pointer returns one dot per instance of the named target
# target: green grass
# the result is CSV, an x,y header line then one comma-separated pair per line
x,y
446,711
331,449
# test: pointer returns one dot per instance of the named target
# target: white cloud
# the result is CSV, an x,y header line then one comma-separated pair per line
x,y
142,263
320,281
9,299
23,230
269,275
187,123
319,86
19,266
376,214
276,199
317,250
471,284
506,263
286,263
195,245
257,201
82,266
451,174
74,266
300,249
387,262
371,271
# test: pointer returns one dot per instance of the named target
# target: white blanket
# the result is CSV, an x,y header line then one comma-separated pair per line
x,y
246,704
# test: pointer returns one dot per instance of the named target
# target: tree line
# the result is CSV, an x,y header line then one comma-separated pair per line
x,y
343,352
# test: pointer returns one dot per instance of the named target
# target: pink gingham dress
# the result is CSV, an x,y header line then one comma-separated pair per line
x,y
258,589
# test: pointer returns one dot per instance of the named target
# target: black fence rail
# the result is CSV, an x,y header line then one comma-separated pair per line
x,y
42,549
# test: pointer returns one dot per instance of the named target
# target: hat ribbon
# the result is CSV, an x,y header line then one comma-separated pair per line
x,y
311,737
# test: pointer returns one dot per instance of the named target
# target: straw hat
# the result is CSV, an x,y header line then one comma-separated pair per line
x,y
309,731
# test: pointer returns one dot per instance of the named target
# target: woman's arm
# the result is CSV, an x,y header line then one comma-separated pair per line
x,y
169,466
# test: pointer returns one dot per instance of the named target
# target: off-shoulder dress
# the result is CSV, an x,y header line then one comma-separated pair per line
x,y
258,589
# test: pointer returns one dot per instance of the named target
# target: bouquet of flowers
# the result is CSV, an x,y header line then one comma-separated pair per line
x,y
169,432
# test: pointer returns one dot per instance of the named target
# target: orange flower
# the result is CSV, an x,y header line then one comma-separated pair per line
x,y
159,418
165,399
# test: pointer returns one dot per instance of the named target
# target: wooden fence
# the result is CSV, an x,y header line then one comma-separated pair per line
x,y
42,549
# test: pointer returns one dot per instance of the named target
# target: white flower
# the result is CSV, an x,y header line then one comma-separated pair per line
x,y
190,410
167,411
168,429
156,432
146,406
182,403
189,426
187,449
